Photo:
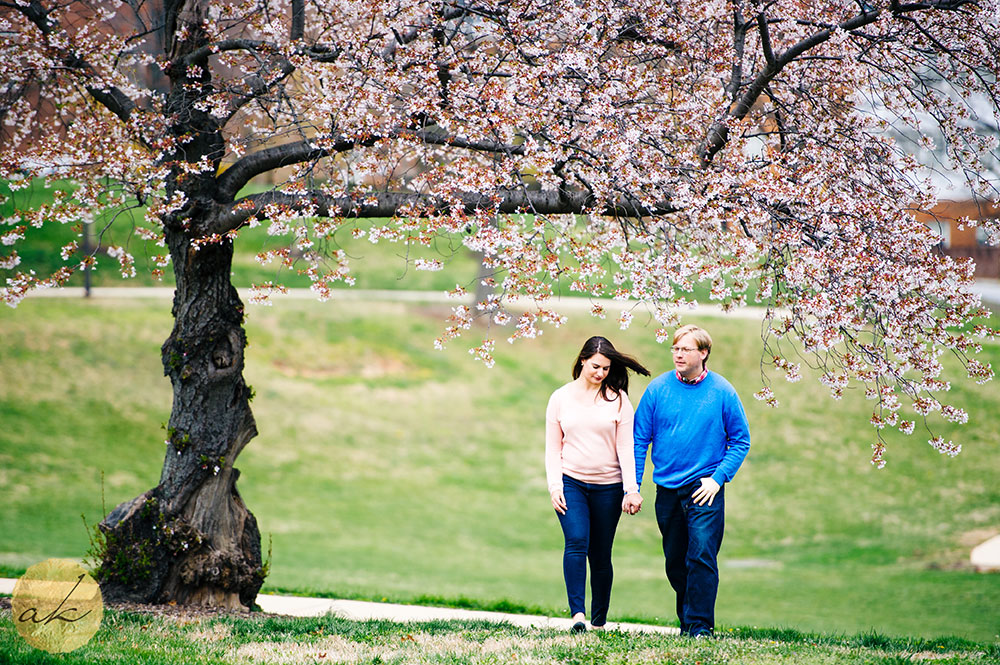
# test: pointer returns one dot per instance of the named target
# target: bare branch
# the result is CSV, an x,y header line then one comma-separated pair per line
x,y
239,174
298,20
765,38
739,46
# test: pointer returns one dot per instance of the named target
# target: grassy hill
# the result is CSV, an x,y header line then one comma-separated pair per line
x,y
385,469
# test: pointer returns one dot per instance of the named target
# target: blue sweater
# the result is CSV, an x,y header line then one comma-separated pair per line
x,y
696,431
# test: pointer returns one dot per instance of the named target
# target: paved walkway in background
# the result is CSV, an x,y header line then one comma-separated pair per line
x,y
986,557
558,304
988,289
358,610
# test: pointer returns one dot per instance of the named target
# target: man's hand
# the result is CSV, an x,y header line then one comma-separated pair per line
x,y
706,493
558,501
632,503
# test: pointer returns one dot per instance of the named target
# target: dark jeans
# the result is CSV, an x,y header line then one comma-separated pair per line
x,y
692,536
592,513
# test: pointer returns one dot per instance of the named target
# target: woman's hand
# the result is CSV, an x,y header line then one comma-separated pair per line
x,y
632,503
558,501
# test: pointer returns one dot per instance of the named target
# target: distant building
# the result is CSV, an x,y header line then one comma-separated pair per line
x,y
959,239
956,201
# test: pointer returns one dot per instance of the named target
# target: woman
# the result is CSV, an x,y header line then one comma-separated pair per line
x,y
590,468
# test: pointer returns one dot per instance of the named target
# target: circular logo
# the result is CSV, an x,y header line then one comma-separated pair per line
x,y
57,606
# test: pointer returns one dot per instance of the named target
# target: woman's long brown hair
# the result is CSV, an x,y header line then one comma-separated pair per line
x,y
617,379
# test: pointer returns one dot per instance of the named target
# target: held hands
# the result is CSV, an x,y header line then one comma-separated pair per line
x,y
706,493
558,501
632,503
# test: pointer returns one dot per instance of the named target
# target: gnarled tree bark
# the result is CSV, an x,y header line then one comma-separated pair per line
x,y
192,539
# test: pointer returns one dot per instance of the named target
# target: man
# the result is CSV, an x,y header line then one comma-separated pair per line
x,y
695,423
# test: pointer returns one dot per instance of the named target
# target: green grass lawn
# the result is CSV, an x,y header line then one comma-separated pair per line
x,y
385,469
138,639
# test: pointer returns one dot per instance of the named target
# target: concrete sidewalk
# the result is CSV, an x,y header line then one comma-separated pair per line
x,y
988,290
357,610
562,304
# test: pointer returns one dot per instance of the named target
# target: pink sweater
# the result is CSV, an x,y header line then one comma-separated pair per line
x,y
588,439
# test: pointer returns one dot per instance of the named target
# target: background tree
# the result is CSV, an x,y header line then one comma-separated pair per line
x,y
638,148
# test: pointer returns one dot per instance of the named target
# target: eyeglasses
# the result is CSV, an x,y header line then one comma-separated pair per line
x,y
682,349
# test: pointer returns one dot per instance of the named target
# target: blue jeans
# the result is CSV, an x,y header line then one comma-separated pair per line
x,y
589,525
692,536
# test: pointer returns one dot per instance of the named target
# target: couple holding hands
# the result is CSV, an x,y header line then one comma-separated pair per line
x,y
692,425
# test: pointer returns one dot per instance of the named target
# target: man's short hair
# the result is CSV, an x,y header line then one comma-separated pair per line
x,y
701,338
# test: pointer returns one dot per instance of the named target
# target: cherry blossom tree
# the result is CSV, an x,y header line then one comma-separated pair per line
x,y
634,149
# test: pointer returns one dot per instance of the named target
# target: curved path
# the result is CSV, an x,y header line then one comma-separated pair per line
x,y
358,610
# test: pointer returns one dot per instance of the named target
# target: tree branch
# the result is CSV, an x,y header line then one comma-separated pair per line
x,y
765,39
739,47
317,52
718,133
442,138
109,96
390,204
258,88
200,55
631,31
298,20
239,174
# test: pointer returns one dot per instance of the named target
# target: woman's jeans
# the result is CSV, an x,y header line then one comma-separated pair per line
x,y
692,536
592,513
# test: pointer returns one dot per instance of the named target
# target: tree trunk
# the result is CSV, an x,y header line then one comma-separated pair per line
x,y
191,539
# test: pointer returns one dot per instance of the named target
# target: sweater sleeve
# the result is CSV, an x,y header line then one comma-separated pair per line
x,y
553,444
625,444
642,432
737,439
